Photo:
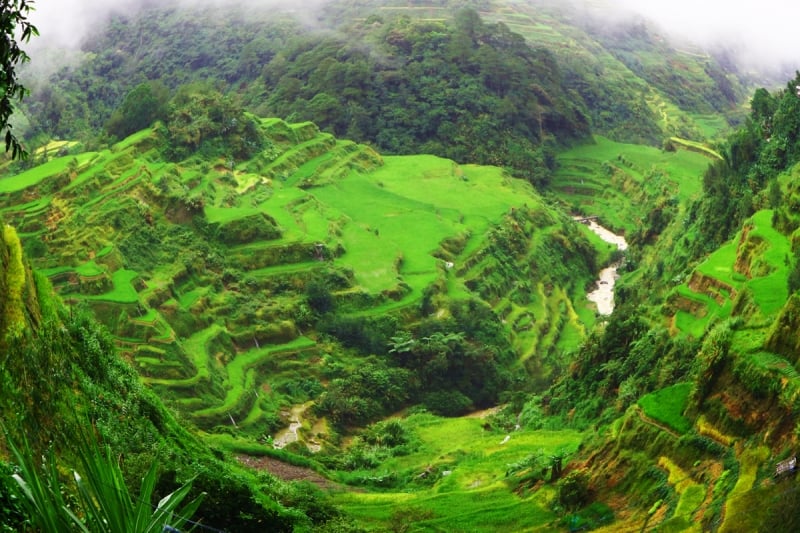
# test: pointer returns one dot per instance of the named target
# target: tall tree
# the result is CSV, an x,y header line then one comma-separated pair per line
x,y
14,29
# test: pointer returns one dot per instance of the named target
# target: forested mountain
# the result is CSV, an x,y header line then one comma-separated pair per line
x,y
406,80
231,259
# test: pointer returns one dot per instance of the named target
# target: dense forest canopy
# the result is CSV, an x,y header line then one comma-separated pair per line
x,y
469,91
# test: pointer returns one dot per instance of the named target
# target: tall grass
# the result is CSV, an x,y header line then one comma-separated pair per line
x,y
98,499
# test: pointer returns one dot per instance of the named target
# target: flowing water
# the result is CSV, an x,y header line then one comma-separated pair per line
x,y
603,295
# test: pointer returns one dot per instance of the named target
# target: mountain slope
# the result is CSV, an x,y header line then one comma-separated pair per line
x,y
60,373
719,343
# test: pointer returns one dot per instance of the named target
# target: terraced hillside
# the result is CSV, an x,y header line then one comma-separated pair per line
x,y
212,275
706,452
629,186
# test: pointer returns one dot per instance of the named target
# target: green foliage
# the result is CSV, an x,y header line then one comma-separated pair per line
x,y
467,91
755,154
711,359
12,511
614,368
793,281
15,28
102,501
141,108
593,516
368,393
390,433
319,296
454,371
309,499
202,120
173,46
573,490
447,403
368,335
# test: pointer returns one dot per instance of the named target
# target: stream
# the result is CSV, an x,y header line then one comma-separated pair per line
x,y
603,295
286,436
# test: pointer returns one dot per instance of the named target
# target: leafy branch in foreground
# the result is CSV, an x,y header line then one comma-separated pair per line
x,y
14,28
100,501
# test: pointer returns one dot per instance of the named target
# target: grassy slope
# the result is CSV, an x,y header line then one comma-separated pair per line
x,y
616,181
474,495
753,392
388,217
764,277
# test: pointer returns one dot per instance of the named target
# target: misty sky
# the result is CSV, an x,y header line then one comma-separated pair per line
x,y
763,31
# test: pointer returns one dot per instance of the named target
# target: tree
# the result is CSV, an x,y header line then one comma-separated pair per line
x,y
573,490
15,28
145,104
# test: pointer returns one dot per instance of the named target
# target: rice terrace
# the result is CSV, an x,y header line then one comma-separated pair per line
x,y
379,266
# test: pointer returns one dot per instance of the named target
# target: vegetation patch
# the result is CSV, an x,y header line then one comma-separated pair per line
x,y
668,405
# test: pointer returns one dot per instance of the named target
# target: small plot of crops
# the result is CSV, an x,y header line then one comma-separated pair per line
x,y
667,405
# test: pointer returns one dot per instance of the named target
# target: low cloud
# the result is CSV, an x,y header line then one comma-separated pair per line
x,y
66,23
763,35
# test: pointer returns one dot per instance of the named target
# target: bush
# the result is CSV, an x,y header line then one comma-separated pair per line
x,y
11,512
447,403
388,433
319,297
573,490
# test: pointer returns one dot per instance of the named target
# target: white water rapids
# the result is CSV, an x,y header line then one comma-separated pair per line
x,y
603,295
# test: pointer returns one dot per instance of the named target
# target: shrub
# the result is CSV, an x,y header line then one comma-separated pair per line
x,y
103,501
447,403
573,490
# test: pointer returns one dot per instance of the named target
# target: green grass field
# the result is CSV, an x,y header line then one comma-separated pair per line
x,y
406,208
475,494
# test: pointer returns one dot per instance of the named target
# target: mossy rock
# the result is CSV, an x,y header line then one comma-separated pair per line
x,y
248,229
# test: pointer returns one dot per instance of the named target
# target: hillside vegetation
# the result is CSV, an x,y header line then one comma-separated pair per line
x,y
222,279
63,381
306,254
711,364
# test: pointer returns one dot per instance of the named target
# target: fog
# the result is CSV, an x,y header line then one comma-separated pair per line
x,y
66,23
761,34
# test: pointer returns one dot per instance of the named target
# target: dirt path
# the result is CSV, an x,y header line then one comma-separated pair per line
x,y
286,471
649,421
